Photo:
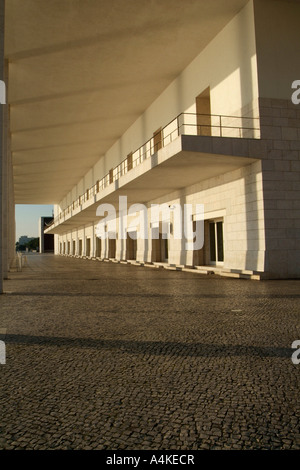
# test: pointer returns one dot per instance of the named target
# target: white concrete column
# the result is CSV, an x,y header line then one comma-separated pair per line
x,y
8,203
41,234
84,242
11,223
2,205
93,245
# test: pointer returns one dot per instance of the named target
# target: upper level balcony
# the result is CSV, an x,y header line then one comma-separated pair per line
x,y
190,149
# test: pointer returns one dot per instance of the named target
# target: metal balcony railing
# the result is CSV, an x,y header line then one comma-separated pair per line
x,y
184,124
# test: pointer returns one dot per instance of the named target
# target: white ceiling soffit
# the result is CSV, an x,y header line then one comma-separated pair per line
x,y
81,72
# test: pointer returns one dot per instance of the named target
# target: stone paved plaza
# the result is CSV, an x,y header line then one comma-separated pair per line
x,y
113,356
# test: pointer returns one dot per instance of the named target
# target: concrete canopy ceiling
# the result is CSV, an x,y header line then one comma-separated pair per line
x,y
81,72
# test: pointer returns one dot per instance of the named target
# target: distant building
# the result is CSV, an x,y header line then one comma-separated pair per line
x,y
46,239
24,239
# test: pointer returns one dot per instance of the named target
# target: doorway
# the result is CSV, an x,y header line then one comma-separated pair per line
x,y
216,242
112,248
160,247
88,247
131,246
129,162
203,110
157,140
98,247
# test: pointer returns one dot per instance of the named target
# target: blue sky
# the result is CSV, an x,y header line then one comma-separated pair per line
x,y
27,219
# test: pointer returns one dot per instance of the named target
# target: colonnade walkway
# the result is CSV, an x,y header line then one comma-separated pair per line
x,y
110,356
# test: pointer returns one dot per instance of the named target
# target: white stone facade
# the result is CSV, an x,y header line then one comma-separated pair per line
x,y
251,191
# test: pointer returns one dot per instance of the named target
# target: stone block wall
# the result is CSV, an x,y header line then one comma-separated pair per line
x,y
280,127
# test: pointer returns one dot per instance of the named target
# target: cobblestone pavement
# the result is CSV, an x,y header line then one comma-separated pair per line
x,y
111,356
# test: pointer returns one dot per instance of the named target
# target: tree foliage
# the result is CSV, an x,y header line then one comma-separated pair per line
x,y
32,245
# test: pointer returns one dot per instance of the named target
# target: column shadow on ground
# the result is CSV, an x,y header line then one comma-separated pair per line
x,y
199,295
156,348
